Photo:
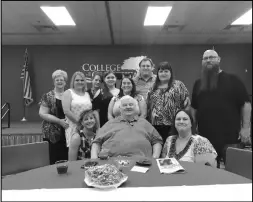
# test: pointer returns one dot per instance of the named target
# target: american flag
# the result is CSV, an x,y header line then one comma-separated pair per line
x,y
27,89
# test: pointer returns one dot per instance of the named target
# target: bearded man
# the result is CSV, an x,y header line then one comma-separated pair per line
x,y
221,106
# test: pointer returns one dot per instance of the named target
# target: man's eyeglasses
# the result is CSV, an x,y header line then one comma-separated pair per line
x,y
210,58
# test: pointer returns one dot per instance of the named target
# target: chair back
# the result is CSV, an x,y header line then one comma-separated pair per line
x,y
23,157
239,161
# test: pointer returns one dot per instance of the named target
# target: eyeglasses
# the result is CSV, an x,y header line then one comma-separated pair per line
x,y
210,58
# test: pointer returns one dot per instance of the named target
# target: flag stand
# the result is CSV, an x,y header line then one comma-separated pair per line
x,y
23,119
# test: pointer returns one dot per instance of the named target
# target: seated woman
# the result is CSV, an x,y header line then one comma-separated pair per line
x,y
127,135
127,87
80,142
186,145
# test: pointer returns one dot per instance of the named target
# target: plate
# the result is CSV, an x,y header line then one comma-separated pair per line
x,y
104,177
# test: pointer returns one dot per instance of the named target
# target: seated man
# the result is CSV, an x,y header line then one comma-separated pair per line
x,y
127,135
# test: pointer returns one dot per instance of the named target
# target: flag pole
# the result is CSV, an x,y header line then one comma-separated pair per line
x,y
23,119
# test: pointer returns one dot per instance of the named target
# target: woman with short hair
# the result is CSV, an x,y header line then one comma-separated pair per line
x,y
53,124
81,140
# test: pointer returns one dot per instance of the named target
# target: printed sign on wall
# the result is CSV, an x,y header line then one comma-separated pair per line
x,y
130,66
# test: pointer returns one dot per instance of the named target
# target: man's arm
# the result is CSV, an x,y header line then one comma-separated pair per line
x,y
96,114
157,150
245,129
193,112
110,109
95,149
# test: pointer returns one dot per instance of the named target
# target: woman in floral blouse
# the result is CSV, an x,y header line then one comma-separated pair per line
x,y
186,145
81,140
53,124
165,98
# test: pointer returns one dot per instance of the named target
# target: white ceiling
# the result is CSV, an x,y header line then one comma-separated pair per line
x,y
200,22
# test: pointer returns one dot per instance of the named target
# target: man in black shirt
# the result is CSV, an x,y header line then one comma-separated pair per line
x,y
220,105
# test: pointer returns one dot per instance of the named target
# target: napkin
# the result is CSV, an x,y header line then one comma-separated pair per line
x,y
139,169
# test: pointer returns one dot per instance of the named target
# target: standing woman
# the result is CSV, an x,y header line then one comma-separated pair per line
x,y
165,98
53,124
75,101
95,93
109,91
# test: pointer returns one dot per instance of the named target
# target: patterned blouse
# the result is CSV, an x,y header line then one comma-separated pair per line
x,y
197,145
85,147
49,129
163,104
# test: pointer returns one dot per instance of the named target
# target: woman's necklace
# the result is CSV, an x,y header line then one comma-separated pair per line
x,y
58,94
184,139
93,91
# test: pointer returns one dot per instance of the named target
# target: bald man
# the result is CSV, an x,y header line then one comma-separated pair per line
x,y
220,105
127,135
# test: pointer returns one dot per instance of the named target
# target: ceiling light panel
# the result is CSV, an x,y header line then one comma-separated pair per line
x,y
59,15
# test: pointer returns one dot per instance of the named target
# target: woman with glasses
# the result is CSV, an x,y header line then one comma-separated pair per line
x,y
222,105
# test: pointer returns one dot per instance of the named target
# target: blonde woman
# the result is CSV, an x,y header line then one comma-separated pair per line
x,y
81,140
53,124
75,101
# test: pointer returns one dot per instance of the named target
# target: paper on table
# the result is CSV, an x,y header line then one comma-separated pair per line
x,y
139,169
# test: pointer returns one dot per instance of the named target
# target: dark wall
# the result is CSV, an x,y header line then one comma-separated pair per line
x,y
185,60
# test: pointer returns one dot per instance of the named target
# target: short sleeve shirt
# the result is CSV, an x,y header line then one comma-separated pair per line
x,y
119,137
143,86
219,110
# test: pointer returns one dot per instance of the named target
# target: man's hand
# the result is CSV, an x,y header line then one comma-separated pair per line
x,y
245,135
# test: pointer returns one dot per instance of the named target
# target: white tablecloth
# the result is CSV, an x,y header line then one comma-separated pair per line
x,y
231,192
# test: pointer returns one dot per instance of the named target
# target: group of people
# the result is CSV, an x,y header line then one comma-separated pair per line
x,y
149,115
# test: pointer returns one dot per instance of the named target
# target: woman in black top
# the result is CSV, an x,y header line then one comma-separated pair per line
x,y
95,93
109,91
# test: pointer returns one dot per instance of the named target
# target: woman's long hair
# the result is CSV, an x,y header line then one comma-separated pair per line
x,y
193,128
133,92
162,66
106,91
82,116
94,74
